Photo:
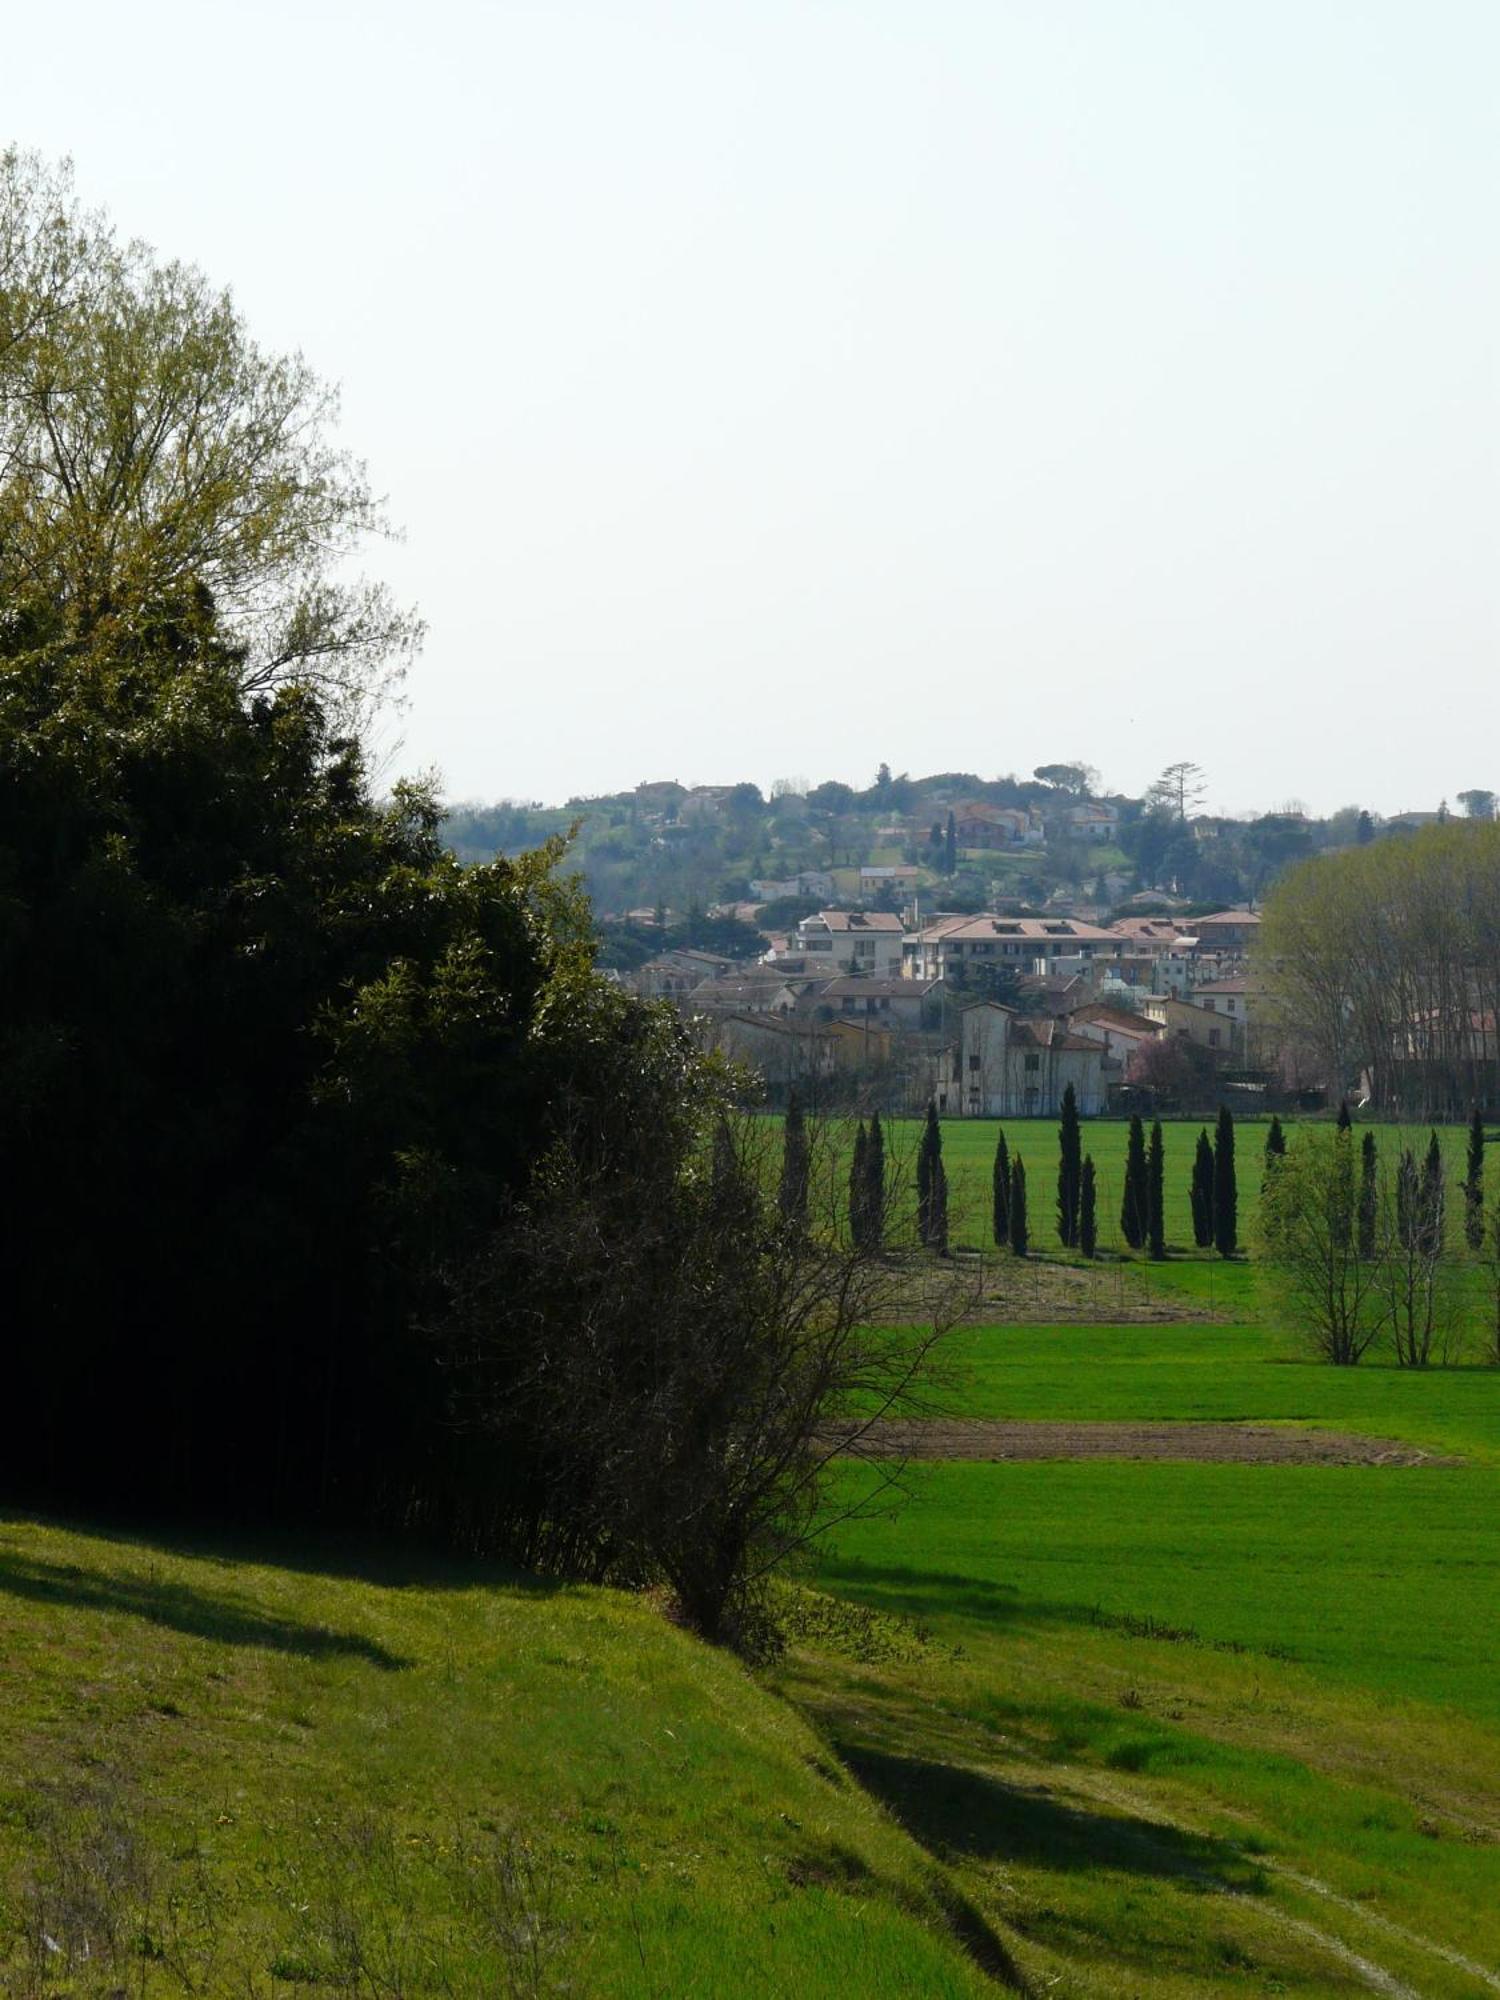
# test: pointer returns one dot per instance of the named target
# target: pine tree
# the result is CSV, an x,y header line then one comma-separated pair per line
x,y
875,1185
1226,1193
1088,1219
950,847
1344,1120
929,1171
859,1190
1369,1195
1000,1191
796,1165
1156,1220
1133,1208
1069,1170
1474,1184
1019,1237
1202,1196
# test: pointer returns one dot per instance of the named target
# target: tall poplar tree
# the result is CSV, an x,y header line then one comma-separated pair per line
x,y
1088,1208
1474,1183
1000,1191
1069,1170
1020,1238
1226,1192
1134,1205
1202,1195
1156,1220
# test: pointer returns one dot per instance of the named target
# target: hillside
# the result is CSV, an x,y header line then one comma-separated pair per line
x,y
310,1776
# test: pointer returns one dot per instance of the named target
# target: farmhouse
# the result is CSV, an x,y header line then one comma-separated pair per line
x,y
1010,1065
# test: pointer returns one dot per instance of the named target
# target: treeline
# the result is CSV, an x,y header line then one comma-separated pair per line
x,y
1385,960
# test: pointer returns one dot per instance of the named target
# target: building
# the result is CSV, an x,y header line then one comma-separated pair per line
x,y
905,1005
1092,822
1025,944
867,941
1010,1065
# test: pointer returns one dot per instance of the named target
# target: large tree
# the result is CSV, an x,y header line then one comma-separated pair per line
x,y
1069,1170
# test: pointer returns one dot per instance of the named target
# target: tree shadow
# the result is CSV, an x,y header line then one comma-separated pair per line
x,y
229,1620
952,1809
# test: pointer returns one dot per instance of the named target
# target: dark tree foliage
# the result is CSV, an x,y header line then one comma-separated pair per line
x,y
1434,1197
932,1184
796,1167
1069,1170
1226,1192
859,1189
1088,1208
875,1196
295,1054
1135,1204
1020,1239
1344,1119
1202,1195
1000,1191
1275,1141
1368,1207
950,847
1474,1183
1156,1220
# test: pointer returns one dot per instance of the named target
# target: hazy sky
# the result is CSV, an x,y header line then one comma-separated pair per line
x,y
768,389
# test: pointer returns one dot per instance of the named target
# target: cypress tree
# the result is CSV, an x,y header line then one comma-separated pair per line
x,y
1088,1220
937,1211
1133,1208
1019,1238
1226,1194
1407,1202
950,847
1369,1195
796,1163
859,1191
1275,1144
1156,1220
929,1167
1069,1170
1000,1188
1202,1195
1434,1199
875,1184
1474,1184
1345,1121
1344,1203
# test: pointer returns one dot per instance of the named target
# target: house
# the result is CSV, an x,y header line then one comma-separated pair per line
x,y
1227,931
748,992
1025,944
1205,1026
1092,822
1121,1032
905,1005
675,974
873,879
808,882
991,827
781,1048
851,941
1010,1065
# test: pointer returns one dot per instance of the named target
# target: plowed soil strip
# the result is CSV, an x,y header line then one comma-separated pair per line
x,y
1218,1444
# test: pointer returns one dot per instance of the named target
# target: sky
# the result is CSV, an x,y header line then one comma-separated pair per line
x,y
772,388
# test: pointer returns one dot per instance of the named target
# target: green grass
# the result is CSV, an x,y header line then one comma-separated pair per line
x,y
346,1780
1204,1373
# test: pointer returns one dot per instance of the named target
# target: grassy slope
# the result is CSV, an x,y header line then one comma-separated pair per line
x,y
386,1776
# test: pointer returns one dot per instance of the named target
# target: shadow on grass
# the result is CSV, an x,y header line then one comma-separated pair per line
x,y
231,1621
952,1809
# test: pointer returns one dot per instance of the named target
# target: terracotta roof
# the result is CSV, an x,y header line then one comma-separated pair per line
x,y
858,920
1118,1018
1038,930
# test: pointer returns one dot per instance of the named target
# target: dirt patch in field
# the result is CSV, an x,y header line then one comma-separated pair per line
x,y
1004,1290
1218,1444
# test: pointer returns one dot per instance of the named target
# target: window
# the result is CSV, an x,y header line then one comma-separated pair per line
x,y
973,1062
1213,1038
1033,1062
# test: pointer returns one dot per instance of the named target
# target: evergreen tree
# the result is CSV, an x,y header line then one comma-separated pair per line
x,y
937,1203
1088,1218
929,1171
1275,1146
1343,1203
1000,1183
1434,1198
1408,1200
1369,1195
796,1165
1226,1193
950,847
1474,1183
1202,1195
1134,1206
1344,1120
1156,1220
875,1186
1069,1170
859,1190
1019,1237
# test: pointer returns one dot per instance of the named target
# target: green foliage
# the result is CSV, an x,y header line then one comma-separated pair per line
x,y
794,1192
1020,1233
1156,1227
1201,1199
1473,1183
1135,1205
1226,1192
1088,1217
1069,1170
1000,1190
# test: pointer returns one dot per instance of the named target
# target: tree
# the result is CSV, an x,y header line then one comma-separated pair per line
x,y
1344,1121
1328,1287
1156,1222
875,1186
1069,1170
1364,830
1088,1220
1135,1204
150,448
1076,779
1202,1196
1177,791
1019,1234
1413,1241
1369,1196
859,1189
796,1164
931,1182
1000,1190
1275,1142
950,846
1474,1180
1226,1197
1478,804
